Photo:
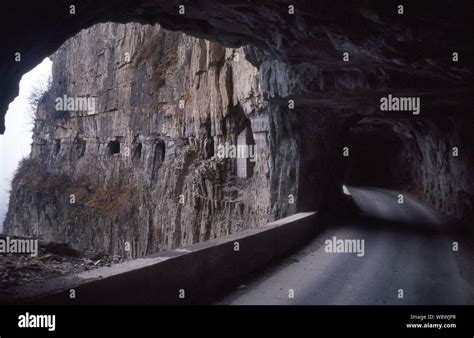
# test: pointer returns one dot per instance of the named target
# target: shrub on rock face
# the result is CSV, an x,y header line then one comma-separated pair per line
x,y
38,93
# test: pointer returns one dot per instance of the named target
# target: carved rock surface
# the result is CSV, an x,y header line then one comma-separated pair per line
x,y
142,167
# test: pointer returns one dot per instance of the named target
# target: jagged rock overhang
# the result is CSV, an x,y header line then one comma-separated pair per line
x,y
318,33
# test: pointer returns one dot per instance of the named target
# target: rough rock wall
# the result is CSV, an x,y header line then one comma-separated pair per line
x,y
440,155
167,105
167,152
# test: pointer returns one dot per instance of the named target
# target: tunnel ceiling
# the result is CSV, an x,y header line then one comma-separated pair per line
x,y
384,47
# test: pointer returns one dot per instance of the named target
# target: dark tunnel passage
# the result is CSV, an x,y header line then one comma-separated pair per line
x,y
418,158
280,87
374,151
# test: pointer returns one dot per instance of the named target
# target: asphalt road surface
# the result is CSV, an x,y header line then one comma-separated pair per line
x,y
408,259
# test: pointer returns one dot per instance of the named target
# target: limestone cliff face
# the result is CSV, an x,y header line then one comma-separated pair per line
x,y
142,166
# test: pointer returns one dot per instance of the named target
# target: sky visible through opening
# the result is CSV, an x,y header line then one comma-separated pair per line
x,y
15,144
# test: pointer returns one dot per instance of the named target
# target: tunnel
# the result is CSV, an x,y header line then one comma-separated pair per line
x,y
113,147
416,157
374,157
305,90
336,82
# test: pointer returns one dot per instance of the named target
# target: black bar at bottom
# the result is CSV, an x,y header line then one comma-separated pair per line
x,y
160,321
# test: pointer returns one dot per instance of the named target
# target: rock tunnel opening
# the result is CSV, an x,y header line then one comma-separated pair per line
x,y
373,157
241,84
113,147
239,146
376,149
159,153
413,157
246,153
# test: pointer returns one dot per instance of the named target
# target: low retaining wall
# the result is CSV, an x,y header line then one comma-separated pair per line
x,y
192,275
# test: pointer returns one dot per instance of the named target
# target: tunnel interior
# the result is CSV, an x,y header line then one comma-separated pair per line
x,y
375,151
309,94
301,88
113,147
413,157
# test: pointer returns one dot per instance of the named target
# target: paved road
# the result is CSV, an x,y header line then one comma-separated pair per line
x,y
413,252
